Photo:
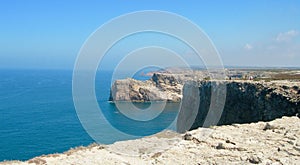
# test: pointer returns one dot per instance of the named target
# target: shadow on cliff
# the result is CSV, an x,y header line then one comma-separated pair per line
x,y
245,102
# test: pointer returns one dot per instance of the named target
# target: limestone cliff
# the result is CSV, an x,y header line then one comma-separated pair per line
x,y
166,85
245,102
161,87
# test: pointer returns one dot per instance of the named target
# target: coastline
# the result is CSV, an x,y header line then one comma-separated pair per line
x,y
296,83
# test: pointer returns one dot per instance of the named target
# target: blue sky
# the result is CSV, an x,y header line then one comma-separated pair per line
x,y
49,34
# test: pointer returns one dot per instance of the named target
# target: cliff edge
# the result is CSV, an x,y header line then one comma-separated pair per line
x,y
244,102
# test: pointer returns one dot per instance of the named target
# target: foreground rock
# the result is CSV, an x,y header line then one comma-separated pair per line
x,y
275,142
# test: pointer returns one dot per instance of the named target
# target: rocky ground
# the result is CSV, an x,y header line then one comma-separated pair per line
x,y
269,143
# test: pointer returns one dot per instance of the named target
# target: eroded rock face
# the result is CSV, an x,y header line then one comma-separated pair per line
x,y
246,101
161,87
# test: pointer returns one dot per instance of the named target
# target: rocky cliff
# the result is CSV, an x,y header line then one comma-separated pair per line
x,y
161,87
245,102
166,85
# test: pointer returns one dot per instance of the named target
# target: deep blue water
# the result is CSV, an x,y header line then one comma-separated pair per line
x,y
37,114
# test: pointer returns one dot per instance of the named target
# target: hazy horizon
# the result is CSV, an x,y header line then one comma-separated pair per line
x,y
49,34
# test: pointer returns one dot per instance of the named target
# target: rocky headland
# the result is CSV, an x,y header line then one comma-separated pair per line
x,y
161,87
167,85
253,96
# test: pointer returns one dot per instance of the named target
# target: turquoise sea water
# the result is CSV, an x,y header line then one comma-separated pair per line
x,y
37,114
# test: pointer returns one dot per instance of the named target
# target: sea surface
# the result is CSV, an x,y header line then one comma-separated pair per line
x,y
37,114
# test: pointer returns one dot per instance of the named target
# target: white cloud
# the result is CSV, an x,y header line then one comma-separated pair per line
x,y
248,47
286,36
279,50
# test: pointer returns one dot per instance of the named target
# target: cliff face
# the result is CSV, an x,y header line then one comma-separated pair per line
x,y
246,101
167,85
161,87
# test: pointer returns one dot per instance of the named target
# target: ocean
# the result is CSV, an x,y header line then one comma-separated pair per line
x,y
38,115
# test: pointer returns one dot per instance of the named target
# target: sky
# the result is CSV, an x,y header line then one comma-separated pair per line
x,y
49,34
